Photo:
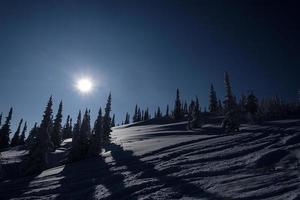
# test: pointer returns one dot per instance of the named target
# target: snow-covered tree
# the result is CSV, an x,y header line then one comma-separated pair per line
x,y
15,141
56,133
5,131
31,139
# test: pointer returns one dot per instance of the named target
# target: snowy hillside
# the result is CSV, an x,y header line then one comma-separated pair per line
x,y
168,162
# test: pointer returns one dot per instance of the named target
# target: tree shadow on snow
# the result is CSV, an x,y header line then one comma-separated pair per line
x,y
90,179
147,170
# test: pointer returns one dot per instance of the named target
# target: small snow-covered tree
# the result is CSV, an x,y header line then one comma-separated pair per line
x,y
113,124
15,141
5,131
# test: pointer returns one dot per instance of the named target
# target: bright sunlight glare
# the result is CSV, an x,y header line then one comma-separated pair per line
x,y
84,85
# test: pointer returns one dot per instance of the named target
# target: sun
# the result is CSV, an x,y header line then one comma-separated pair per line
x,y
84,85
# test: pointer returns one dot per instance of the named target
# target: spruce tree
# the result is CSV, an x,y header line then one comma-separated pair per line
x,y
66,129
147,116
0,119
76,130
251,104
113,124
229,102
135,115
31,139
15,141
22,137
139,115
220,107
56,134
5,131
127,119
107,120
167,112
96,139
213,102
158,113
38,154
177,108
185,108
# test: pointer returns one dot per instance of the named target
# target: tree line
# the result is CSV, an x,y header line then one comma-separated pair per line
x,y
87,140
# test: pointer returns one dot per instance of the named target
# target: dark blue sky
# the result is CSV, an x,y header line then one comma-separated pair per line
x,y
142,51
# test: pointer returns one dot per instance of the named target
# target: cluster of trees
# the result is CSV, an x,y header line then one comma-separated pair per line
x,y
87,141
5,131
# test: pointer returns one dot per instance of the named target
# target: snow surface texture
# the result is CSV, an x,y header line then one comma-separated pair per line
x,y
168,162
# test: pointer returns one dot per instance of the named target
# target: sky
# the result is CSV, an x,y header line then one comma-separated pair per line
x,y
141,51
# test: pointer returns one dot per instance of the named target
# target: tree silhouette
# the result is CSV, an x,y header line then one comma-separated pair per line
x,y
213,102
107,120
5,131
22,137
96,138
56,134
177,108
15,141
229,102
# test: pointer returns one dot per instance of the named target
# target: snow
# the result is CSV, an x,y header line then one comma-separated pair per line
x,y
166,161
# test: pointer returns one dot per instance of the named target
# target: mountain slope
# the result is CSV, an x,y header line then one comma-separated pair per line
x,y
168,162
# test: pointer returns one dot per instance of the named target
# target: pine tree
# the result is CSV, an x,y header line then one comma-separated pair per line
x,y
177,109
67,130
135,116
127,119
22,137
96,139
167,112
251,104
158,113
139,115
220,107
56,134
5,131
113,124
76,130
38,154
15,141
229,102
147,116
213,102
107,120
185,109
31,139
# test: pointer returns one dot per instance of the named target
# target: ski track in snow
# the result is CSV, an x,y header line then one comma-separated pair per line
x,y
169,162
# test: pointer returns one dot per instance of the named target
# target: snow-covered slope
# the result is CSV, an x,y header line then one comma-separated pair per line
x,y
169,162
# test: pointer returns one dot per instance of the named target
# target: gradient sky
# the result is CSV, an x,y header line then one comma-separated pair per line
x,y
142,51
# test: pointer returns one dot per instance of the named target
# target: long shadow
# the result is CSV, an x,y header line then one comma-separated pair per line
x,y
15,183
83,179
147,170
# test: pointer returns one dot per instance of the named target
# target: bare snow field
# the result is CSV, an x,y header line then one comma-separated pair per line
x,y
165,161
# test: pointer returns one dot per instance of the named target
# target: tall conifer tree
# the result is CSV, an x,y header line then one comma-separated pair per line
x,y
5,131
